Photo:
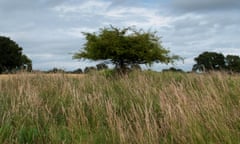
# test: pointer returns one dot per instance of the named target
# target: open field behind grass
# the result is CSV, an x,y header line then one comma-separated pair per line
x,y
11,76
142,108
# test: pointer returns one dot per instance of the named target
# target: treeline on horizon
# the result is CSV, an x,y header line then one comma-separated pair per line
x,y
125,48
205,62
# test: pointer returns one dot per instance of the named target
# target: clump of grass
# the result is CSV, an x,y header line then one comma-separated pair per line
x,y
142,107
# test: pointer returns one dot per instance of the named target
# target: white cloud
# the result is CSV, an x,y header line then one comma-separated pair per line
x,y
140,17
92,7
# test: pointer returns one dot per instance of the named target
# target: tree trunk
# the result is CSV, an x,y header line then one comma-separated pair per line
x,y
121,68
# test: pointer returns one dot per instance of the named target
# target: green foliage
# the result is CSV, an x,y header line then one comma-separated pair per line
x,y
11,57
172,69
26,63
209,61
28,135
233,63
90,69
77,71
124,47
101,66
5,131
56,70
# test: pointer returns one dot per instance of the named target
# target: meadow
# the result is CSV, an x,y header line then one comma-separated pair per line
x,y
142,108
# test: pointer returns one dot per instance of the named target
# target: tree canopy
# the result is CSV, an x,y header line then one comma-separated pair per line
x,y
208,61
233,63
124,47
11,57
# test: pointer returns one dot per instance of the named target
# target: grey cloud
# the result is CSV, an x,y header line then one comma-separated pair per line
x,y
135,3
24,5
191,34
206,5
123,2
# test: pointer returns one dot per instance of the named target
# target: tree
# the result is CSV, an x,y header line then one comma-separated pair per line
x,y
172,69
26,63
89,69
56,70
209,61
11,57
101,66
77,71
233,63
124,47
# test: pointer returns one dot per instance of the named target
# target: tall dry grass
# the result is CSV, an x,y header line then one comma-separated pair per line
x,y
142,107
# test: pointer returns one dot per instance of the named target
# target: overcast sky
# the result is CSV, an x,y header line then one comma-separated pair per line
x,y
50,30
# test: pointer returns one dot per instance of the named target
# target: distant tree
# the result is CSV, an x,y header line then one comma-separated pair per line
x,y
124,47
101,66
233,63
11,57
89,69
198,67
208,61
26,63
56,70
172,69
77,71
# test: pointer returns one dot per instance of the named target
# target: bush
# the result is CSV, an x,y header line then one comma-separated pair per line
x,y
89,69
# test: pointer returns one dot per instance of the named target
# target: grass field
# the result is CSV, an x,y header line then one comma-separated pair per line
x,y
143,107
11,76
